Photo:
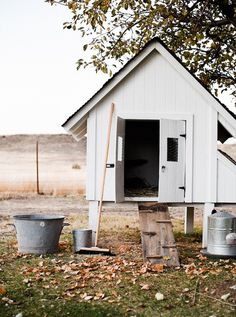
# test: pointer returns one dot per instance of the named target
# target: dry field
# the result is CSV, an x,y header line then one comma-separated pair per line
x,y
61,164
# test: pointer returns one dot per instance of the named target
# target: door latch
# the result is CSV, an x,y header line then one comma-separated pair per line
x,y
182,187
163,168
110,165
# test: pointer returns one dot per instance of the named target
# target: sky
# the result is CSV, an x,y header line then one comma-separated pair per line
x,y
39,84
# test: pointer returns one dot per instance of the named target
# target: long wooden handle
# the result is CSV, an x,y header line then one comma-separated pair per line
x,y
104,173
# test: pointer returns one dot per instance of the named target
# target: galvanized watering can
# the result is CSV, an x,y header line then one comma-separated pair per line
x,y
222,234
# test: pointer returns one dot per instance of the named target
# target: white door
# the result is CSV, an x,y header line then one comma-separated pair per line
x,y
172,161
120,144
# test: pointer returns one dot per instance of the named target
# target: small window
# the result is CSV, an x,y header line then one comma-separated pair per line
x,y
172,149
120,149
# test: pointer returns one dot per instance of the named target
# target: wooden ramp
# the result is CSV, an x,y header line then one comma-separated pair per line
x,y
157,234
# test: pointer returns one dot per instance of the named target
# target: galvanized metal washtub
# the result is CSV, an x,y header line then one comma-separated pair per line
x,y
37,233
222,234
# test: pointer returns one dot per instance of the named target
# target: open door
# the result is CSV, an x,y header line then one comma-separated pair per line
x,y
172,161
120,143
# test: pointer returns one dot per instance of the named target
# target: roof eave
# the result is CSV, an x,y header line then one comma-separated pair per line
x,y
108,86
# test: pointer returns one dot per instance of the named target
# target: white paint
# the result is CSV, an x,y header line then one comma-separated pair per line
x,y
91,159
120,149
93,218
226,189
156,48
211,156
154,88
172,173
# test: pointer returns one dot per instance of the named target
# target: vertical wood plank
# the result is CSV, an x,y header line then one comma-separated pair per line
x,y
91,156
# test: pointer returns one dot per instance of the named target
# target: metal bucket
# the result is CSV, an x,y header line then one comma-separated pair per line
x,y
82,238
221,229
38,234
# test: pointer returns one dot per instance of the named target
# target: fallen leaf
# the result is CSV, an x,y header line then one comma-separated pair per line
x,y
157,268
144,269
233,287
159,296
118,282
145,286
186,290
225,296
7,300
2,290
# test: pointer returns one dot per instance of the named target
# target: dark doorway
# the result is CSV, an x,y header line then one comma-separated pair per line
x,y
141,158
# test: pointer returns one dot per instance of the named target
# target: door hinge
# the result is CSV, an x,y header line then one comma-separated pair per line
x,y
182,187
183,135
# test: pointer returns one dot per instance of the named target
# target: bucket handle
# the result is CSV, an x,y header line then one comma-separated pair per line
x,y
11,224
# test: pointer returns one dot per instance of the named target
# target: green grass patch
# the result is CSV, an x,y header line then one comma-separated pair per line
x,y
65,284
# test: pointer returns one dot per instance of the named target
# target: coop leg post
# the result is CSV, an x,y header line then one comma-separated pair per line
x,y
93,218
208,207
188,219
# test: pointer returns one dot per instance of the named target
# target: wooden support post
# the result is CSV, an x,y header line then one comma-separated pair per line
x,y
208,207
93,218
37,167
188,219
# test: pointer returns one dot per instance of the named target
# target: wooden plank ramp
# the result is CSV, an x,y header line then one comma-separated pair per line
x,y
157,234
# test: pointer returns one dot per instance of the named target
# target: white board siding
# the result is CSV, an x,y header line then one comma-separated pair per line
x,y
102,113
155,87
172,171
90,157
226,189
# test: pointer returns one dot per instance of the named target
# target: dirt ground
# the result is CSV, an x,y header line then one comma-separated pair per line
x,y
73,206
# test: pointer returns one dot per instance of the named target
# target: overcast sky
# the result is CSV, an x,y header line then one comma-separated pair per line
x,y
39,84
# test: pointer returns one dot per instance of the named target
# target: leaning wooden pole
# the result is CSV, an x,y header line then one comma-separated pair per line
x,y
104,173
37,167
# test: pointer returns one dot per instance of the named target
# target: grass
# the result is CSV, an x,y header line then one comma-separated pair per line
x,y
65,284
46,188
